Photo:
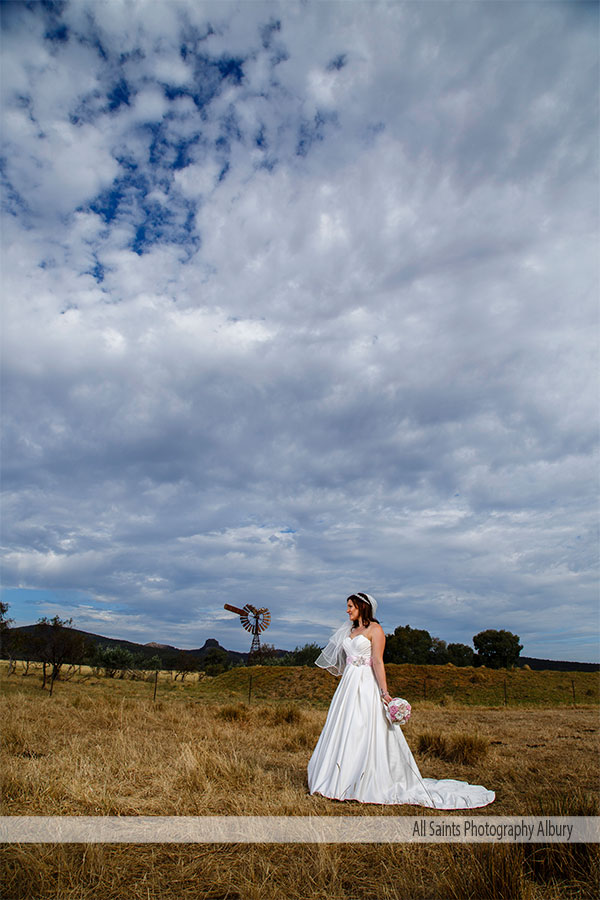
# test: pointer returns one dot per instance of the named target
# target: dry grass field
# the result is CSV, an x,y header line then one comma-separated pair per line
x,y
102,747
442,685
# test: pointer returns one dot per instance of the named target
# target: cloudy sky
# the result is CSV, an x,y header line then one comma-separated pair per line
x,y
300,298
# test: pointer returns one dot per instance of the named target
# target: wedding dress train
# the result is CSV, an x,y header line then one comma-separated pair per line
x,y
360,756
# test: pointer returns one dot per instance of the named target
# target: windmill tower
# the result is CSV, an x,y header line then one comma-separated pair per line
x,y
254,620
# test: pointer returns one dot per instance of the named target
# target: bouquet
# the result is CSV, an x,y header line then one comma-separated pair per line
x,y
397,711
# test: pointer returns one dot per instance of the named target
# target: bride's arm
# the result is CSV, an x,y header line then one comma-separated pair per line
x,y
377,648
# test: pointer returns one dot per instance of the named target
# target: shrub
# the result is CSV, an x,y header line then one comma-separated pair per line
x,y
233,712
288,714
466,749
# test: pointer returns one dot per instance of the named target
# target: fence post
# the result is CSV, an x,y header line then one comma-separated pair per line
x,y
424,689
505,697
249,687
155,684
573,689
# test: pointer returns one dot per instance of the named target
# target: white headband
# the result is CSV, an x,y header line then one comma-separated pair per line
x,y
371,600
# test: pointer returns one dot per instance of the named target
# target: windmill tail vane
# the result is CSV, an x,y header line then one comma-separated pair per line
x,y
254,620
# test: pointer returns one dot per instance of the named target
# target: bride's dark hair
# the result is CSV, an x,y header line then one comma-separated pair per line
x,y
365,609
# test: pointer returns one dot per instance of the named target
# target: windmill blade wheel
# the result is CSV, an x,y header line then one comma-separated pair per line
x,y
265,618
247,618
255,620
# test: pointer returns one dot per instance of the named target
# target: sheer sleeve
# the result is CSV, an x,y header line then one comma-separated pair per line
x,y
333,656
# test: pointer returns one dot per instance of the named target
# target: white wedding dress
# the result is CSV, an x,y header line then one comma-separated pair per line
x,y
360,756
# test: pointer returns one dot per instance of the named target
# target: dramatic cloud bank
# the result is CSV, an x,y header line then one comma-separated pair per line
x,y
301,299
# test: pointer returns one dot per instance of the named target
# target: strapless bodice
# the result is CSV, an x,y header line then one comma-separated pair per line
x,y
359,644
358,650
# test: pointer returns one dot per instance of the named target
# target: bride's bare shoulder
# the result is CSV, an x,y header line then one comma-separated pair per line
x,y
375,628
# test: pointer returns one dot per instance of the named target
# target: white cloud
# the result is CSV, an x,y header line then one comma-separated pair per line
x,y
197,180
302,304
149,106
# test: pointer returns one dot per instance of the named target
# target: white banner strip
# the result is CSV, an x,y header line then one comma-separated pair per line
x,y
298,829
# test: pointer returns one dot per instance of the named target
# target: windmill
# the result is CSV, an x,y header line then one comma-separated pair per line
x,y
254,620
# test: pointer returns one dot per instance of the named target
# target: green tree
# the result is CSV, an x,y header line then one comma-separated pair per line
x,y
303,656
497,649
152,664
461,655
142,663
408,645
114,659
216,661
265,656
300,656
438,655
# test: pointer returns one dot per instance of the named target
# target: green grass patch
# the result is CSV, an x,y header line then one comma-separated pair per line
x,y
440,685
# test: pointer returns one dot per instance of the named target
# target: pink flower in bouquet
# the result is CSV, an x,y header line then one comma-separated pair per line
x,y
398,711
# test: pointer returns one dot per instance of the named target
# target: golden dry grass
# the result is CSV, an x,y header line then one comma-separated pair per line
x,y
464,748
104,748
440,685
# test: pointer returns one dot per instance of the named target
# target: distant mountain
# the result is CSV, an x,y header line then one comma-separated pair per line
x,y
168,654
557,665
32,631
210,643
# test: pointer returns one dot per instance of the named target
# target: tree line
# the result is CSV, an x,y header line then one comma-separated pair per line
x,y
496,649
56,644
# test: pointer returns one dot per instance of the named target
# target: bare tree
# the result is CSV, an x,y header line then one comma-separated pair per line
x,y
58,643
185,664
5,624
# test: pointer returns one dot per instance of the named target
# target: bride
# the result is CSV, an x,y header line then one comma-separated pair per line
x,y
359,755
